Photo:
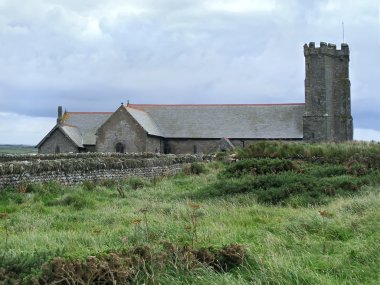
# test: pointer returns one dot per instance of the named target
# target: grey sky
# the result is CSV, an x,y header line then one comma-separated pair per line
x,y
90,55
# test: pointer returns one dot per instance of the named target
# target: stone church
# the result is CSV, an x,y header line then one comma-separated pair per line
x,y
324,117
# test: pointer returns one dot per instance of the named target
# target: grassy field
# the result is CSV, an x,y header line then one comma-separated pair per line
x,y
17,149
196,229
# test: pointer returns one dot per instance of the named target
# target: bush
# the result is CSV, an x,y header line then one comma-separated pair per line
x,y
325,170
194,168
109,183
51,187
258,167
133,266
343,183
136,182
279,189
89,185
357,168
366,153
76,200
224,259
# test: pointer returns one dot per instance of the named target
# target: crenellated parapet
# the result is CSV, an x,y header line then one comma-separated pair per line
x,y
326,49
327,114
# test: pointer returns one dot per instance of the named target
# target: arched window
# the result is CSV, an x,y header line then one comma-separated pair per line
x,y
119,147
57,149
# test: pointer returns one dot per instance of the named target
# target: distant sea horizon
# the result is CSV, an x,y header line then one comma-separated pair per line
x,y
17,149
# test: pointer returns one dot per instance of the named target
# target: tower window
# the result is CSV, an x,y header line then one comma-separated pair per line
x,y
57,149
119,147
195,148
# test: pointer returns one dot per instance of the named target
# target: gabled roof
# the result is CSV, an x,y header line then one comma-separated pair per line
x,y
71,132
87,123
239,121
145,120
80,127
244,121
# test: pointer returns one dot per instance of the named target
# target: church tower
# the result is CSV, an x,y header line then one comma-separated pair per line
x,y
327,114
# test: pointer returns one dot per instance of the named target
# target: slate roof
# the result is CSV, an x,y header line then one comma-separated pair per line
x,y
87,124
259,121
80,127
145,120
73,133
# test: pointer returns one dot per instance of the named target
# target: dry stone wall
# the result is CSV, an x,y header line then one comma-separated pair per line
x,y
29,157
75,168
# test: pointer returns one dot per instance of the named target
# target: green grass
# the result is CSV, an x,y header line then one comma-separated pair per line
x,y
286,245
17,149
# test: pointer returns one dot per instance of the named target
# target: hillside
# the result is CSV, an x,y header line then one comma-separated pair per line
x,y
282,214
17,149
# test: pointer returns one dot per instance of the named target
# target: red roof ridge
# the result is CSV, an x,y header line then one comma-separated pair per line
x,y
129,106
90,113
211,105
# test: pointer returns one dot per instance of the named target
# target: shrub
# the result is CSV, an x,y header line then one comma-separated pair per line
x,y
89,185
51,187
258,167
194,168
344,183
325,170
366,153
357,168
224,259
136,182
76,200
279,189
134,266
110,183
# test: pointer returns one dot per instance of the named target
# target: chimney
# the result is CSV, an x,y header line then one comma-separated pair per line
x,y
59,118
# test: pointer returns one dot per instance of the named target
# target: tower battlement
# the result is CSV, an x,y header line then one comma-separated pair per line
x,y
326,49
327,114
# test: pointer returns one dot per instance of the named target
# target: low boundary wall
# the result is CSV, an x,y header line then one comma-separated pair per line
x,y
77,168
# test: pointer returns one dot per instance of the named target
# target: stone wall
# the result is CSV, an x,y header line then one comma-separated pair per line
x,y
206,146
94,167
327,93
178,146
111,155
121,128
154,144
57,139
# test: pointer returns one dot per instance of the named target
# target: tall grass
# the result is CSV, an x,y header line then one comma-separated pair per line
x,y
285,245
368,153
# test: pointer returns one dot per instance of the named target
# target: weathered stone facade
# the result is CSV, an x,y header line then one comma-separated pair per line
x,y
191,145
121,128
123,131
191,128
327,114
57,143
178,146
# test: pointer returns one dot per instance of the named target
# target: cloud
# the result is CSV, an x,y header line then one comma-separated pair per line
x,y
241,6
367,135
21,129
90,55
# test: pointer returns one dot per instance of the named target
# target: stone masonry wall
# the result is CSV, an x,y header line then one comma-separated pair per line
x,y
121,128
178,146
103,166
327,114
90,155
57,138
